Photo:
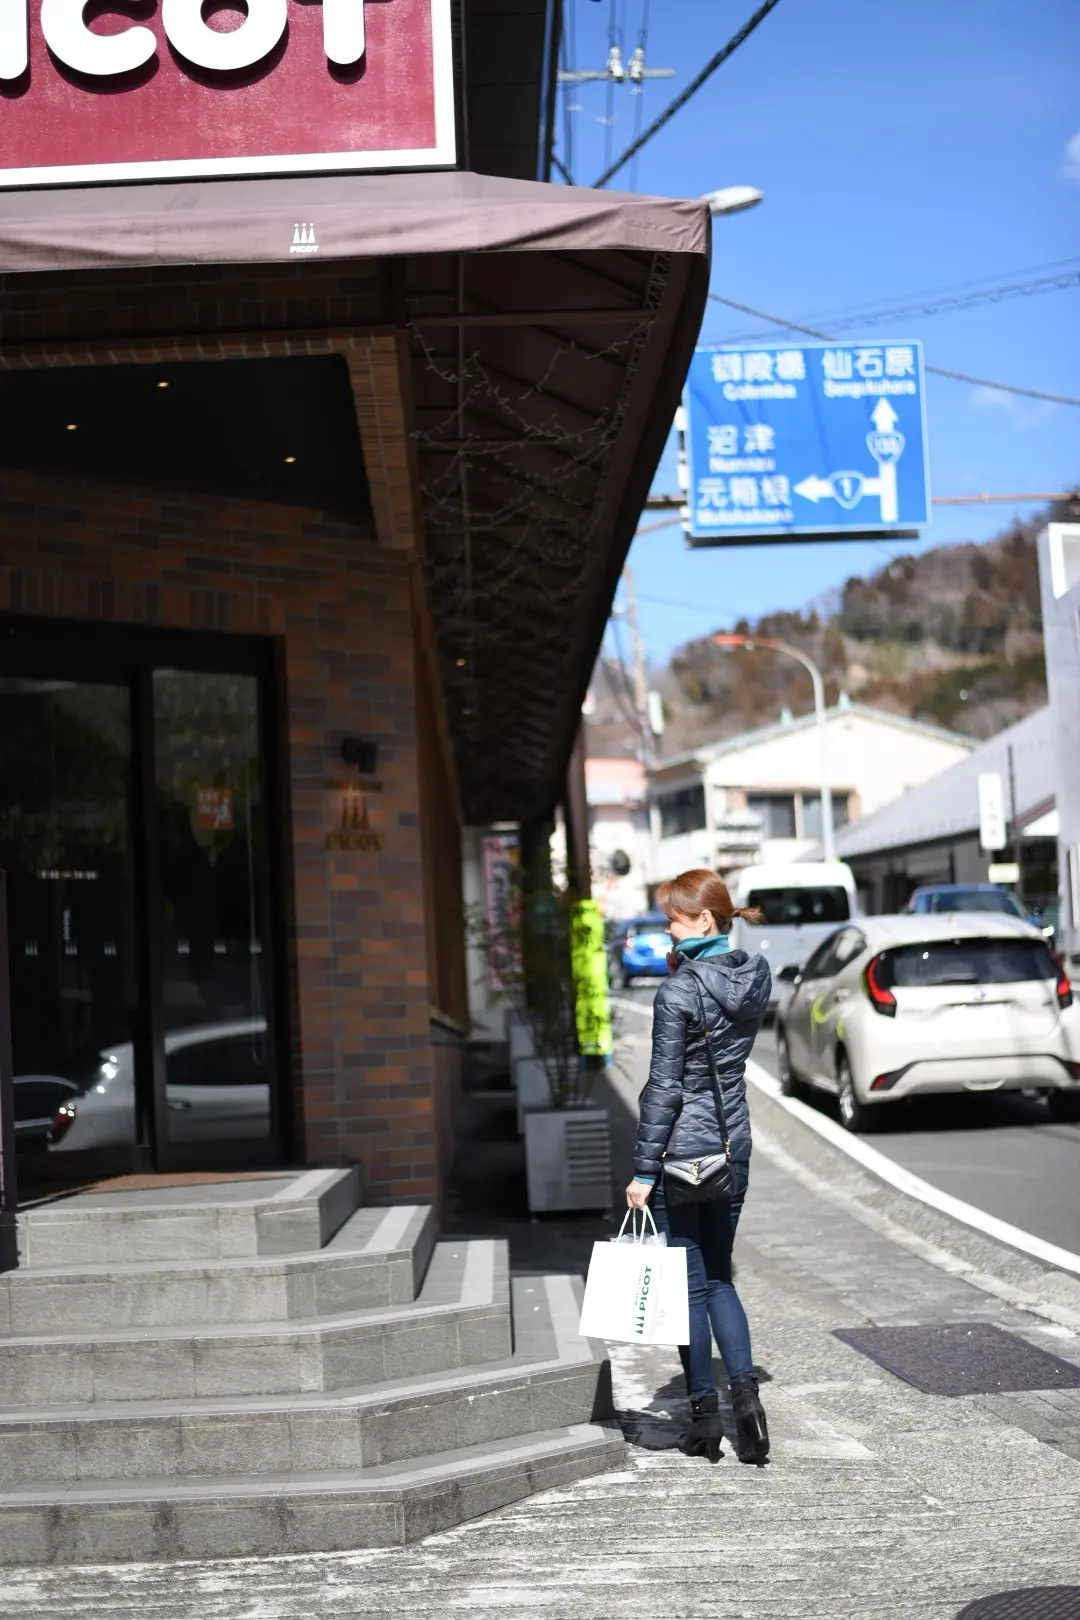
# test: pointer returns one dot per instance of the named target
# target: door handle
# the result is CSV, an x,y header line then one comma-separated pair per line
x,y
179,1106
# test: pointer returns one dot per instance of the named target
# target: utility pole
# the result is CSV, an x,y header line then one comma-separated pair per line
x,y
641,707
641,679
1017,835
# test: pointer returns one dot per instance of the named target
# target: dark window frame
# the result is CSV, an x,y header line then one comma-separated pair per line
x,y
677,805
77,650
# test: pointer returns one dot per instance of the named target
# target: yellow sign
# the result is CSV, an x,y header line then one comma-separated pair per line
x,y
588,962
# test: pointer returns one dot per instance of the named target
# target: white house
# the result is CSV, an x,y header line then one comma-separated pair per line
x,y
757,797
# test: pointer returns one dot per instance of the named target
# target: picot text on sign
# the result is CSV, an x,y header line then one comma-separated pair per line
x,y
827,437
264,86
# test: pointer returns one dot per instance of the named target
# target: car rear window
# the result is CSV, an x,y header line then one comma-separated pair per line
x,y
966,961
646,925
789,907
976,900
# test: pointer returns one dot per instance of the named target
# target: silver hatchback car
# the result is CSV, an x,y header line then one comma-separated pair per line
x,y
894,1007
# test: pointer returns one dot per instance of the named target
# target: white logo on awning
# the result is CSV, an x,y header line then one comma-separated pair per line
x,y
303,239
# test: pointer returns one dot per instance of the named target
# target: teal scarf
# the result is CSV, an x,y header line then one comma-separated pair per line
x,y
708,945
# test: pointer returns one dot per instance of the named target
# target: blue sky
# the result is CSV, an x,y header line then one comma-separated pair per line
x,y
902,146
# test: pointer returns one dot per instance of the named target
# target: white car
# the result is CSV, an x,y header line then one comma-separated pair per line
x,y
894,1007
217,1088
802,903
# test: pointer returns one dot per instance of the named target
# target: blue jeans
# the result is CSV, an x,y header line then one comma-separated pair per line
x,y
707,1233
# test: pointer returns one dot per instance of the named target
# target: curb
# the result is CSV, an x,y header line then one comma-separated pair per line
x,y
997,1258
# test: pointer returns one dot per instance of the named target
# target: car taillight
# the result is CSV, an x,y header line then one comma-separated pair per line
x,y
1063,989
880,996
63,1120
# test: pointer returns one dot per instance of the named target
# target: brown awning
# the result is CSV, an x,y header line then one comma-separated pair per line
x,y
548,328
353,217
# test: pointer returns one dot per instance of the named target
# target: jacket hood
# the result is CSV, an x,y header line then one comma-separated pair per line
x,y
738,983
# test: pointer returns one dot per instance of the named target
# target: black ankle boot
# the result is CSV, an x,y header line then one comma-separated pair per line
x,y
703,1437
751,1429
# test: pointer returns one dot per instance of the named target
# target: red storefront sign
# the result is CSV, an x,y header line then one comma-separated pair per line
x,y
185,88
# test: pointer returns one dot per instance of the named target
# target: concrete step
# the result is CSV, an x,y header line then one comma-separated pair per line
x,y
461,1317
76,1522
378,1257
231,1220
554,1379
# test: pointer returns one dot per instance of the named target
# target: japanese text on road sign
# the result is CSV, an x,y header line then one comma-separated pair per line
x,y
822,437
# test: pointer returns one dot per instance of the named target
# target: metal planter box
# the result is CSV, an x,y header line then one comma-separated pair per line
x,y
568,1159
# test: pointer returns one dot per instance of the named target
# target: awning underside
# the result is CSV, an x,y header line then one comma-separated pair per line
x,y
548,331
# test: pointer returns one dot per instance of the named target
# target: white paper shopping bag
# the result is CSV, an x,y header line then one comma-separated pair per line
x,y
626,1297
671,1324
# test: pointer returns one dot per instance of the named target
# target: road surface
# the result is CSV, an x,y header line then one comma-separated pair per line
x,y
999,1152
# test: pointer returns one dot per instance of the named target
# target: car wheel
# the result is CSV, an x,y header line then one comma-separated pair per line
x,y
790,1084
1064,1107
854,1115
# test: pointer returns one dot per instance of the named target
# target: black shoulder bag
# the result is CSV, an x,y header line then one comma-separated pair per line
x,y
700,1181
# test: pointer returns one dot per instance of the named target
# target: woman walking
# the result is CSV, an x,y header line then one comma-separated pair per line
x,y
694,1110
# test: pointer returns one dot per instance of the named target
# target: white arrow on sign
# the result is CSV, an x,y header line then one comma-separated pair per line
x,y
848,488
814,488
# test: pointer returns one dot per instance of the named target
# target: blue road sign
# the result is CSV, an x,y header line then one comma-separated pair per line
x,y
790,440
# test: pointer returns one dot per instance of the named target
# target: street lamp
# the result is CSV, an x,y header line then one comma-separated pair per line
x,y
732,199
752,644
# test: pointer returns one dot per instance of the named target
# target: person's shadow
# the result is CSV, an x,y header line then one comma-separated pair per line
x,y
657,1426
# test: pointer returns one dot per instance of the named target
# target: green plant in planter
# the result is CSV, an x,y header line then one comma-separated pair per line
x,y
550,995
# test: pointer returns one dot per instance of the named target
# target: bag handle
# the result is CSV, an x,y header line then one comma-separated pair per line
x,y
646,1215
714,1077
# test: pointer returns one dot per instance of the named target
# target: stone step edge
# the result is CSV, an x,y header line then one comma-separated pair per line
x,y
305,1192
376,1482
364,1397
487,1282
572,1351
265,1264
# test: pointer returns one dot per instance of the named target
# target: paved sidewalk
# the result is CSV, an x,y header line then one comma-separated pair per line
x,y
879,1502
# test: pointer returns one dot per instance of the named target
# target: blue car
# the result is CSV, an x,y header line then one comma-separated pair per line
x,y
940,897
641,949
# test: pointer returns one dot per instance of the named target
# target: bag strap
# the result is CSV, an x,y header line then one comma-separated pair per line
x,y
721,1120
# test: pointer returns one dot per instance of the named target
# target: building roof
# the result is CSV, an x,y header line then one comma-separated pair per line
x,y
708,752
947,806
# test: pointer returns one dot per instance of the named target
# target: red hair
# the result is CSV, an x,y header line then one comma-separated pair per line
x,y
698,890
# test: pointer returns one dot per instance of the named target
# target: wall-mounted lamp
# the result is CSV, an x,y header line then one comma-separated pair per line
x,y
364,755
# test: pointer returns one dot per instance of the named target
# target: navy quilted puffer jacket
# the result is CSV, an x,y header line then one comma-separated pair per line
x,y
678,1105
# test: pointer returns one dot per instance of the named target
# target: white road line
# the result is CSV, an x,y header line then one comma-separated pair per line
x,y
887,1170
914,1186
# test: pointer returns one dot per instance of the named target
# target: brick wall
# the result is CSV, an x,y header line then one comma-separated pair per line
x,y
366,1079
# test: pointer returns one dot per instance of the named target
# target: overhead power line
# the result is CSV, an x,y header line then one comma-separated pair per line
x,y
938,371
954,301
692,88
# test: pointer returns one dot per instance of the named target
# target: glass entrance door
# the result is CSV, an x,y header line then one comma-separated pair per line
x,y
66,846
135,835
212,864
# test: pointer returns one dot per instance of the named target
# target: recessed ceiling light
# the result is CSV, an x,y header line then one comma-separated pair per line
x,y
289,460
461,662
72,426
163,385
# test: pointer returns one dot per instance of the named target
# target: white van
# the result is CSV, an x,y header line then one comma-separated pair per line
x,y
804,902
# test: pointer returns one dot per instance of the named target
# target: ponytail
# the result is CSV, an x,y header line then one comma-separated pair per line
x,y
698,890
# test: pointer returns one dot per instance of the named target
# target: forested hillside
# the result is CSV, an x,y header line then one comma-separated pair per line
x,y
952,636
